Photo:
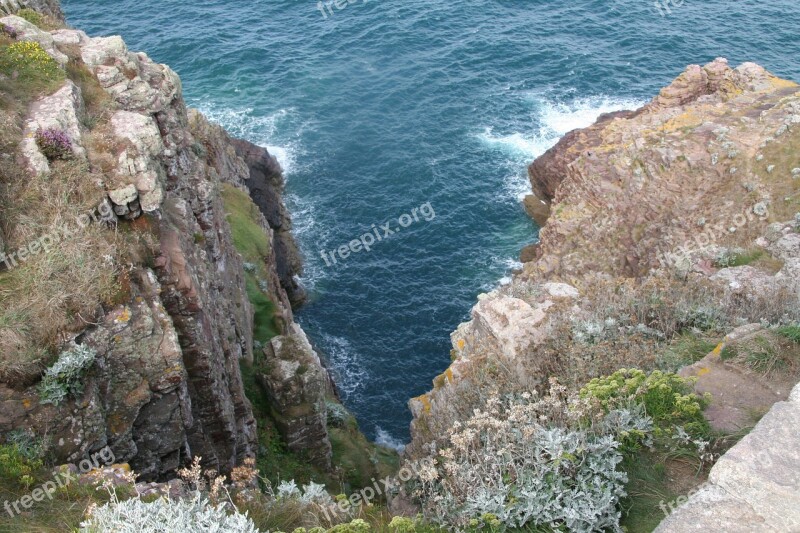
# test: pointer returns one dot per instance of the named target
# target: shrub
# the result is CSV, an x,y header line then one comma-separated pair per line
x,y
529,462
195,515
54,144
65,377
30,446
667,398
34,17
16,467
29,60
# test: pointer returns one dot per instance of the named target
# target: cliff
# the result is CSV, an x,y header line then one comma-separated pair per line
x,y
664,229
138,233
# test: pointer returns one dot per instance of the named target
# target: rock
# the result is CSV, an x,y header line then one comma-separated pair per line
x,y
296,385
124,196
139,160
529,253
51,8
59,111
266,184
501,325
755,486
538,210
561,290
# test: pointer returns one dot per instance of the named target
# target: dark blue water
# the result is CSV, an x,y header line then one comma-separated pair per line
x,y
387,105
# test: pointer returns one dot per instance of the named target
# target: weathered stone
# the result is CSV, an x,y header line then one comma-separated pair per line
x,y
296,384
59,111
51,8
124,196
266,184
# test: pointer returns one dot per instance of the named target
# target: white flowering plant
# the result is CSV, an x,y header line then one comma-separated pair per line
x,y
532,461
65,377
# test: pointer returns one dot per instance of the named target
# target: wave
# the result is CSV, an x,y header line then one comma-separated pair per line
x,y
345,362
553,119
385,439
258,129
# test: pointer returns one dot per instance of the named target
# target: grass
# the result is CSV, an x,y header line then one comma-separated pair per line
x,y
66,278
40,20
29,72
790,332
252,242
685,350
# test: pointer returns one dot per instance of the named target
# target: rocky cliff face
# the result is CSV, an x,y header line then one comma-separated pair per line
x,y
669,203
51,8
166,384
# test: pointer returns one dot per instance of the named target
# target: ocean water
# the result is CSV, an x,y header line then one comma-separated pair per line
x,y
384,107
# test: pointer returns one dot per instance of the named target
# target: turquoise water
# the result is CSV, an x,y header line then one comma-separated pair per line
x,y
384,106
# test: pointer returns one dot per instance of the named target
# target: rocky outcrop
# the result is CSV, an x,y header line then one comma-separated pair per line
x,y
655,197
166,384
297,385
266,188
51,8
755,486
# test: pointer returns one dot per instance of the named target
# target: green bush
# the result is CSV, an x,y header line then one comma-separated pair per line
x,y
65,377
16,467
529,462
667,398
34,17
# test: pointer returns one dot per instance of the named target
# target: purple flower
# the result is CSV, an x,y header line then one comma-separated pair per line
x,y
54,143
8,30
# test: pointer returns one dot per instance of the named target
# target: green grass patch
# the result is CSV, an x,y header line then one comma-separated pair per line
x,y
790,332
739,258
29,71
253,244
685,350
40,20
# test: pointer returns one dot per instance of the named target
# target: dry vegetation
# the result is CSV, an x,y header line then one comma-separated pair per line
x,y
58,290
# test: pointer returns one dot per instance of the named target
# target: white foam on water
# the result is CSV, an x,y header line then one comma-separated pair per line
x,y
384,438
258,129
346,362
559,118
555,120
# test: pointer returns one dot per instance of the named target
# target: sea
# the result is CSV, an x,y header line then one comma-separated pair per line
x,y
413,122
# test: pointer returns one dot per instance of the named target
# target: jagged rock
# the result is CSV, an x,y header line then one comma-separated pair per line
x,y
58,111
133,80
29,32
296,384
500,324
537,209
266,189
139,160
124,196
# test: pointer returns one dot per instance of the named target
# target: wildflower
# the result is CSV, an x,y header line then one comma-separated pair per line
x,y
54,143
8,30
